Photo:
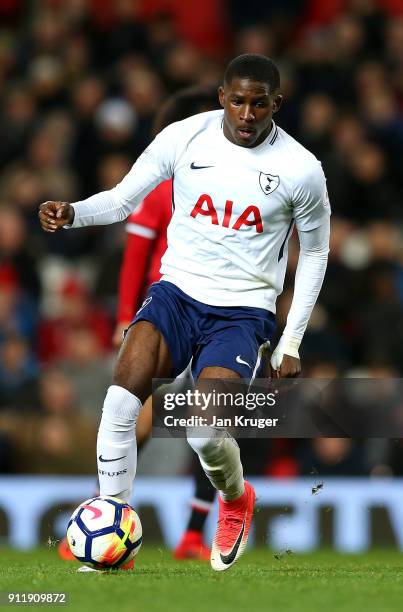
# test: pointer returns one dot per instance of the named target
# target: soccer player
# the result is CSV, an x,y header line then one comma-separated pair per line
x,y
240,184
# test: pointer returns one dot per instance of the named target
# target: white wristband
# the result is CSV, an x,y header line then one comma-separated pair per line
x,y
288,345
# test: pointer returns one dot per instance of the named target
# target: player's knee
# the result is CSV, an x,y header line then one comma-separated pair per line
x,y
121,404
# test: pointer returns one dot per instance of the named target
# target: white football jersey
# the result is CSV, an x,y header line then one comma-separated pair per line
x,y
233,208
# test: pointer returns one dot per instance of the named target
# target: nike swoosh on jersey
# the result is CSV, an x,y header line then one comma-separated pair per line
x,y
105,460
194,167
239,360
227,559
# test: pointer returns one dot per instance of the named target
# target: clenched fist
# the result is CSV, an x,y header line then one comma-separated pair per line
x,y
53,215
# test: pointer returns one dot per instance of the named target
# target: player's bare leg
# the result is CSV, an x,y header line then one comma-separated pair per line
x,y
220,458
144,355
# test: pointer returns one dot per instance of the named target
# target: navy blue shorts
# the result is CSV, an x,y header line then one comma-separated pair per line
x,y
233,338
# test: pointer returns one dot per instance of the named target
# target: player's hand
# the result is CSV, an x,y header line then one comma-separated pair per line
x,y
53,215
118,333
285,361
290,368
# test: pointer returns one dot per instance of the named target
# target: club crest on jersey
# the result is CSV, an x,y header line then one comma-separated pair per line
x,y
268,182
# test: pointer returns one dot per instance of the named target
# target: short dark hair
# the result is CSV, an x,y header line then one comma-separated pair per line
x,y
255,67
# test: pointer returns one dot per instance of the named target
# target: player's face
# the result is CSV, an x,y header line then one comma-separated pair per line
x,y
248,110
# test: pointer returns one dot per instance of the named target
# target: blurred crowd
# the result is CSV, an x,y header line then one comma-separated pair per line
x,y
81,82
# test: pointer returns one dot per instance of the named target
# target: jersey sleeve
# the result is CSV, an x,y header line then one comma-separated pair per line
x,y
310,200
312,262
154,165
153,213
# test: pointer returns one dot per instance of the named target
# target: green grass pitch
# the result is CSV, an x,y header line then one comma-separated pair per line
x,y
302,583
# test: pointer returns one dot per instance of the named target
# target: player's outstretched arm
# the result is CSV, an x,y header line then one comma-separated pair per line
x,y
54,215
156,164
312,262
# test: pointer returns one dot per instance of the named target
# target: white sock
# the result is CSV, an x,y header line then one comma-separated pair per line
x,y
220,459
116,445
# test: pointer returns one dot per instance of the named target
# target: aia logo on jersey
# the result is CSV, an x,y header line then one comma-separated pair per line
x,y
250,217
268,182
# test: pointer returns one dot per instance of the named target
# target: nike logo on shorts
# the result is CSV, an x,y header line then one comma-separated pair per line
x,y
239,360
105,460
144,304
228,559
194,167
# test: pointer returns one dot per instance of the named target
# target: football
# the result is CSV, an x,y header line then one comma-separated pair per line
x,y
104,532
